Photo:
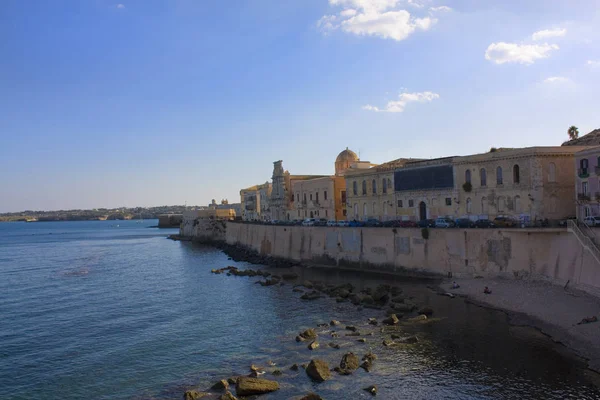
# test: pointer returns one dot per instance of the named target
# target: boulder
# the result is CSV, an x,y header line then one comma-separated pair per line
x,y
395,336
318,370
372,389
388,342
367,365
334,345
353,334
309,334
372,321
369,357
277,372
340,300
232,380
294,367
311,295
354,299
334,322
313,345
408,340
193,395
251,386
391,320
308,284
403,307
312,396
395,290
288,276
362,340
221,385
367,299
351,328
349,362
421,317
228,396
343,293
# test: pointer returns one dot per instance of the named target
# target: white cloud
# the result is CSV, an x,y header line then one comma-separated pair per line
x,y
120,6
374,18
502,52
557,79
440,9
398,106
593,63
548,33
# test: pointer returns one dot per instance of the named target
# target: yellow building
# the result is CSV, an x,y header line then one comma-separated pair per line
x,y
255,202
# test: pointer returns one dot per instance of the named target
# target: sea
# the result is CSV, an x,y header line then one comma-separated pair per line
x,y
115,310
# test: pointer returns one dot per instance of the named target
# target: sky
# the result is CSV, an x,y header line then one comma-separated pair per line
x,y
161,102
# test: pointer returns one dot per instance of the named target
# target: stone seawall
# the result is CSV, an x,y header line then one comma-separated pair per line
x,y
547,254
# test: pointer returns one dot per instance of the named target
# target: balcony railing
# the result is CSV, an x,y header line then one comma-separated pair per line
x,y
583,172
583,197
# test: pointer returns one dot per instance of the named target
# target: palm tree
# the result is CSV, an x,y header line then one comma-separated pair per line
x,y
573,132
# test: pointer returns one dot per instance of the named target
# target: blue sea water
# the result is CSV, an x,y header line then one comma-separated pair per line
x,y
114,310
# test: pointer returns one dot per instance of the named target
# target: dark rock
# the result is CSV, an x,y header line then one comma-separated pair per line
x,y
351,328
354,299
193,395
353,334
369,357
391,320
334,345
251,386
395,291
323,325
408,340
228,396
308,284
421,317
340,300
394,336
313,345
372,321
362,340
232,380
311,295
294,367
349,362
388,342
300,339
288,276
221,385
335,335
372,389
367,365
277,372
343,293
426,311
367,299
334,322
312,396
318,370
309,334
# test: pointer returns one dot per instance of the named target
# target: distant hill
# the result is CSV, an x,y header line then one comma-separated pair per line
x,y
591,139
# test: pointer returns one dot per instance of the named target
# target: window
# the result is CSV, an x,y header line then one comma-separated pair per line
x,y
355,188
325,213
400,203
583,166
468,176
501,204
518,203
355,210
384,186
588,211
298,197
364,187
411,203
311,197
298,212
343,197
374,208
374,186
499,176
325,195
448,201
344,212
516,174
551,172
469,205
305,198
483,176
484,208
365,209
584,188
317,197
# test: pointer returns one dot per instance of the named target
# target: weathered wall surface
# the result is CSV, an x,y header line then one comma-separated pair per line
x,y
203,229
551,254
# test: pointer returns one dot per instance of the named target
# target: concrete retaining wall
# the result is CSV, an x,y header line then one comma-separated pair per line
x,y
550,254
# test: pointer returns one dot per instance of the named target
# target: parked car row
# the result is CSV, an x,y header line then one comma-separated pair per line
x,y
441,222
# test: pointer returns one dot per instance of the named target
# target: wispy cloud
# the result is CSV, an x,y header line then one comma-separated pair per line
x,y
548,33
557,79
120,6
593,63
440,9
502,52
399,105
382,18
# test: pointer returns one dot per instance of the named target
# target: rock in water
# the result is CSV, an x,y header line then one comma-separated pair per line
x,y
294,367
313,345
391,320
193,395
388,342
421,317
408,340
369,357
334,345
318,370
349,362
312,396
228,396
366,365
288,276
308,334
372,389
221,385
372,321
351,328
334,322
251,386
426,311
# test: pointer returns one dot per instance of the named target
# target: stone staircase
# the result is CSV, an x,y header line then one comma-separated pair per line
x,y
586,237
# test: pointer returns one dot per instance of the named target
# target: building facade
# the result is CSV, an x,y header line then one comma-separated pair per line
x,y
587,182
255,202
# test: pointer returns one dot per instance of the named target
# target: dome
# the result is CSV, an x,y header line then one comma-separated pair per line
x,y
346,156
344,160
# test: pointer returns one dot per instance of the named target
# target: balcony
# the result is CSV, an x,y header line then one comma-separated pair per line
x,y
583,172
583,197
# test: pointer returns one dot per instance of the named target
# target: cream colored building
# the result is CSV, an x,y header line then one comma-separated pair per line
x,y
255,202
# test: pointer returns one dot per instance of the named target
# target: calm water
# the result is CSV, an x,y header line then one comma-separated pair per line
x,y
89,309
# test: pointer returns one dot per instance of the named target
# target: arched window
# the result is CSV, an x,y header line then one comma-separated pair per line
x,y
499,176
551,172
483,177
384,186
374,186
468,176
364,187
355,210
516,174
469,205
518,203
484,206
365,210
374,208
355,188
501,204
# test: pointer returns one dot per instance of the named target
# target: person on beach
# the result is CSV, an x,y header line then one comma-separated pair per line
x,y
487,290
455,285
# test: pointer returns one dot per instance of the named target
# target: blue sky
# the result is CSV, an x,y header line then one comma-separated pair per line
x,y
147,102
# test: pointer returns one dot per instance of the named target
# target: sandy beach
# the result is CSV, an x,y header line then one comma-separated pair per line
x,y
552,309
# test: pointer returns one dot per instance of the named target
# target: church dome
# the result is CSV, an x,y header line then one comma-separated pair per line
x,y
344,160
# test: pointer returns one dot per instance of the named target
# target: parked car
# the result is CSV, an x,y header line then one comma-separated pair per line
x,y
504,221
443,222
464,223
372,222
592,220
484,223
332,222
321,222
409,224
426,223
355,223
343,223
563,222
308,222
